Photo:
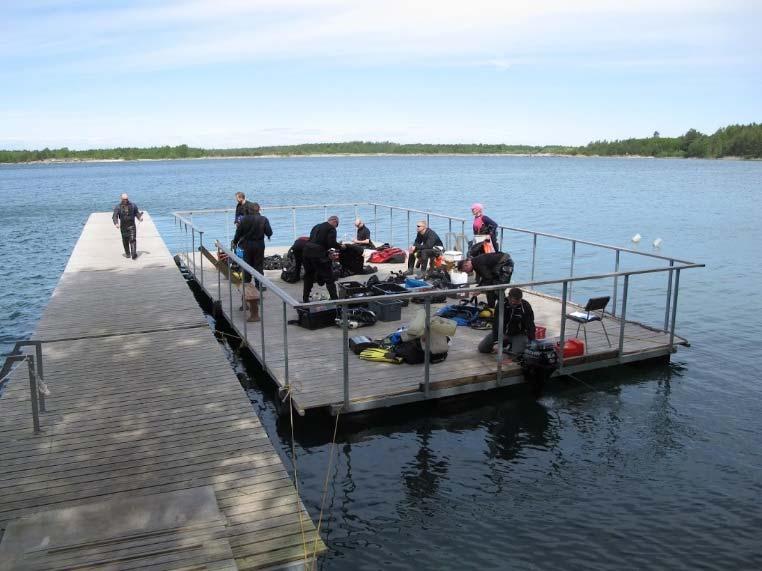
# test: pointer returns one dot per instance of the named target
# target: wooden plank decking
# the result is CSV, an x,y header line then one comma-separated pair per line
x,y
315,357
143,402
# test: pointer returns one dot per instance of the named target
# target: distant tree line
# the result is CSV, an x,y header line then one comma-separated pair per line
x,y
743,141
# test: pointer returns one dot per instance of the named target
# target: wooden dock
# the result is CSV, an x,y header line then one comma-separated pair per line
x,y
315,372
149,448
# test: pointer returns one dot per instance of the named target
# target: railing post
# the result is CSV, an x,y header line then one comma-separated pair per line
x,y
674,312
562,337
201,253
375,220
40,376
534,254
230,288
345,353
293,221
245,313
185,247
219,278
357,212
571,269
391,226
449,233
463,233
262,319
669,296
408,230
285,339
33,392
623,317
427,350
500,333
616,283
193,250
501,239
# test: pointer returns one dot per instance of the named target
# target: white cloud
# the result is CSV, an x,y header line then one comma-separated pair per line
x,y
149,35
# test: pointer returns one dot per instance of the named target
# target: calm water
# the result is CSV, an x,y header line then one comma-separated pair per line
x,y
649,467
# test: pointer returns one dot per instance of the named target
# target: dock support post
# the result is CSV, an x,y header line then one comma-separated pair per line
x,y
674,312
562,337
571,268
616,283
285,340
345,353
534,255
427,350
669,297
500,333
624,315
33,392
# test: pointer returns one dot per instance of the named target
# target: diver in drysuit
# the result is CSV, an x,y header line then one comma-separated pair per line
x,y
124,217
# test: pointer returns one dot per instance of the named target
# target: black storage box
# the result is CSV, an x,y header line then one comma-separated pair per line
x,y
386,309
317,317
386,288
351,289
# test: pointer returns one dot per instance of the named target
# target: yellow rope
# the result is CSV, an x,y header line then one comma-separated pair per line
x,y
325,488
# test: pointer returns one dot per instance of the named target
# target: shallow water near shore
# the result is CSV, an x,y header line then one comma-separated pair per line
x,y
655,466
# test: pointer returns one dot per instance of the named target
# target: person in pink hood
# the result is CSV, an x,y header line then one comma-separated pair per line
x,y
484,225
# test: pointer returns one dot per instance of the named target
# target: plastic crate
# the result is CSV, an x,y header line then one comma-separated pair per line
x,y
386,309
389,289
352,289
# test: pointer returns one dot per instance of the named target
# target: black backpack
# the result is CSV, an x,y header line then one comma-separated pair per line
x,y
289,273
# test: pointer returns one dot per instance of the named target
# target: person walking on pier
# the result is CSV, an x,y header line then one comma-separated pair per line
x,y
318,266
250,235
124,217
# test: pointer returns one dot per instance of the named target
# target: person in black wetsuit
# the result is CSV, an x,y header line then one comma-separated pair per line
x,y
518,326
363,235
124,217
242,207
426,247
250,235
490,269
318,266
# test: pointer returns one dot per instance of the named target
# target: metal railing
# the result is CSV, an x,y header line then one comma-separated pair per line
x,y
37,387
266,286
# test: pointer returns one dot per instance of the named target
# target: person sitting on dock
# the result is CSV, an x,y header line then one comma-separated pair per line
x,y
484,226
124,217
318,266
250,235
426,247
518,326
490,269
363,235
243,207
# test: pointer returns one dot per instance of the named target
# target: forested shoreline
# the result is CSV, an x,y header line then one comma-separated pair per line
x,y
741,141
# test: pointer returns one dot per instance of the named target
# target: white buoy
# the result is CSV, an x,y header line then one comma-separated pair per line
x,y
636,238
657,243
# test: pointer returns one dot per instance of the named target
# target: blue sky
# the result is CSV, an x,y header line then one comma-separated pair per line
x,y
231,73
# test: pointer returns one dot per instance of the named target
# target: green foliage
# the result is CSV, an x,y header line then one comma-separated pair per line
x,y
735,141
